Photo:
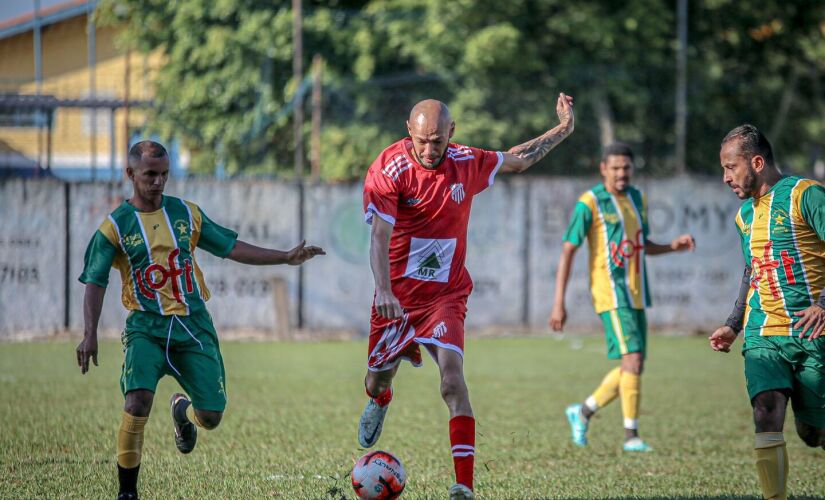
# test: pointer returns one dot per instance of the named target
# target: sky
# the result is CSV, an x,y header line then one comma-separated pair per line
x,y
14,8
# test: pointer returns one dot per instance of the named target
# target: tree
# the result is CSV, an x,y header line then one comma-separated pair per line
x,y
227,88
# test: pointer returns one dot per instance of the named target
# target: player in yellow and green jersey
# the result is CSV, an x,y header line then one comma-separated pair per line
x,y
781,300
151,240
612,217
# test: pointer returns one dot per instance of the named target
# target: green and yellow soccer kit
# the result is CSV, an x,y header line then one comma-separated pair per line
x,y
615,227
783,239
169,330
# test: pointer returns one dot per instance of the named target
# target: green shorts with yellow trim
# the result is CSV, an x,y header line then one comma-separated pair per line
x,y
185,347
790,364
625,330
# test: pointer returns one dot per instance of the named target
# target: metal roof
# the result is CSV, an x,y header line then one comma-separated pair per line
x,y
51,15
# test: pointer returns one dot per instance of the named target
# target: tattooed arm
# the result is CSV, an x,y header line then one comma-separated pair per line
x,y
520,158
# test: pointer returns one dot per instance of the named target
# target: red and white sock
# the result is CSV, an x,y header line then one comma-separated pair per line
x,y
463,441
383,399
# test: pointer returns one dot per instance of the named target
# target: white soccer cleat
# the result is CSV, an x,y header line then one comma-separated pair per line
x,y
461,492
371,423
636,445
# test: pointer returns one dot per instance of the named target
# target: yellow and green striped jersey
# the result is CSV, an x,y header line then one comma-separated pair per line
x,y
155,254
783,239
616,230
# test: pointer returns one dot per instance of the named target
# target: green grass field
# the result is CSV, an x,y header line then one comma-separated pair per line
x,y
290,428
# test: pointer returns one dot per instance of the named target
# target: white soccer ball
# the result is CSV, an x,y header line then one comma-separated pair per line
x,y
378,475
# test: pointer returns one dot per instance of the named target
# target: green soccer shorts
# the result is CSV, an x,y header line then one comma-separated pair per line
x,y
185,347
625,330
788,363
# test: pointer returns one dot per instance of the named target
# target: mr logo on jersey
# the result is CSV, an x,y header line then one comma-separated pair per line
x,y
430,259
146,277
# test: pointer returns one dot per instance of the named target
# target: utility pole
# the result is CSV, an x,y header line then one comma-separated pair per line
x,y
298,116
127,81
38,80
681,87
298,76
92,49
315,148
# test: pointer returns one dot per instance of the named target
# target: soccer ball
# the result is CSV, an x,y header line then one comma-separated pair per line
x,y
378,475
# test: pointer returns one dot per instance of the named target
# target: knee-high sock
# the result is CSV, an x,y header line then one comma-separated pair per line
x,y
629,389
607,391
130,440
129,447
772,465
463,442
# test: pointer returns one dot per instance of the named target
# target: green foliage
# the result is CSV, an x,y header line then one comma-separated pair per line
x,y
227,88
290,428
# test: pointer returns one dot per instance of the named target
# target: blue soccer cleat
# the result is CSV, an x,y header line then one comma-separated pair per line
x,y
371,423
578,424
636,445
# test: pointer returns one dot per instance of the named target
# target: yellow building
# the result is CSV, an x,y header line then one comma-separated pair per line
x,y
80,143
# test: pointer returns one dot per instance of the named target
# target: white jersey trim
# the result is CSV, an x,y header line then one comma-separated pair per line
x,y
425,340
495,170
371,209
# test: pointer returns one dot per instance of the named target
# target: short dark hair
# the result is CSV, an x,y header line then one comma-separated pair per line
x,y
617,149
752,142
150,149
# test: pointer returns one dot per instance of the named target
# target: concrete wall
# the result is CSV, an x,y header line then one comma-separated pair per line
x,y
514,243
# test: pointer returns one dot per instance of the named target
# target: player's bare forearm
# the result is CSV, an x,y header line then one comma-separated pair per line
x,y
386,304
568,252
246,253
520,158
558,317
652,248
92,307
380,253
682,243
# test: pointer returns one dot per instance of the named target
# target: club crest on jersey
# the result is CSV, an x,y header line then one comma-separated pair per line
x,y
611,218
780,217
182,227
457,192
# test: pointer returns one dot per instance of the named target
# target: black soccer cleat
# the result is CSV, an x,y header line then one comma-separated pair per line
x,y
186,434
128,495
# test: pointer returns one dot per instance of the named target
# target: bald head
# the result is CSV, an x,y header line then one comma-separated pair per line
x,y
430,113
430,126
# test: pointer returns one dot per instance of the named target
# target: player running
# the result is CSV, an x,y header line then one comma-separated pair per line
x,y
781,300
613,217
417,197
151,239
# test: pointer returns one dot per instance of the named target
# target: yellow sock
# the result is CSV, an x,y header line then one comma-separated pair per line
x,y
606,392
629,388
130,440
193,417
772,465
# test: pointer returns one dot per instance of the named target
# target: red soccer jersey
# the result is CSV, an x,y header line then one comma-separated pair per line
x,y
430,211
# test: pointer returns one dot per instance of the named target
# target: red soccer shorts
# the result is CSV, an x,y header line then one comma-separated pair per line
x,y
439,325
